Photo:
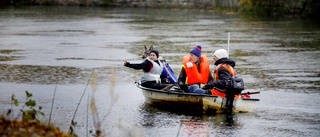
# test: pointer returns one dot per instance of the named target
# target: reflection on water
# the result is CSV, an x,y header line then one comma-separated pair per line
x,y
33,74
192,127
5,55
41,74
189,122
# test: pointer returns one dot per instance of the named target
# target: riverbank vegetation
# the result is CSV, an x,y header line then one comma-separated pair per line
x,y
262,8
23,120
30,125
275,8
26,128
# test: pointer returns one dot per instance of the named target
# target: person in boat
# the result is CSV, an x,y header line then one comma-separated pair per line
x,y
167,75
223,72
195,71
152,68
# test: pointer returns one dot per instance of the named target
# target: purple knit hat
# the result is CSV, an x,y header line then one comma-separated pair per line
x,y
196,51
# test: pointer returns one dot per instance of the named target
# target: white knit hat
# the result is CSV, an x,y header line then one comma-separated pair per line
x,y
221,53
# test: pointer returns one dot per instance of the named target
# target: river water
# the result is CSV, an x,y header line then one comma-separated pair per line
x,y
52,52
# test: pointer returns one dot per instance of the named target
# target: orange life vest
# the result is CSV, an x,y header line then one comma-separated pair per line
x,y
193,74
216,78
228,67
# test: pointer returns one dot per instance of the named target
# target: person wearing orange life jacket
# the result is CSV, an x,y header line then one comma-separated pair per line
x,y
223,72
195,71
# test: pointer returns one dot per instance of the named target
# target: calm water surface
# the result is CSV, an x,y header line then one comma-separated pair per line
x,y
54,50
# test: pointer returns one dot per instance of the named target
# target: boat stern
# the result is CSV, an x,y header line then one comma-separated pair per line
x,y
244,105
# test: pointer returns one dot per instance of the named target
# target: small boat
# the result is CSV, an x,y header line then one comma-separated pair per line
x,y
173,96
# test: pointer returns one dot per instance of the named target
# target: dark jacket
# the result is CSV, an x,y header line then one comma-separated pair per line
x,y
146,66
223,73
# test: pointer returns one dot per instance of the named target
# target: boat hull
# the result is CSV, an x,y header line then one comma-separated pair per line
x,y
197,101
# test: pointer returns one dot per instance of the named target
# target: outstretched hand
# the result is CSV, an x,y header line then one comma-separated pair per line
x,y
125,63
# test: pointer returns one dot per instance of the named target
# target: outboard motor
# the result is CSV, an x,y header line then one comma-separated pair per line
x,y
234,87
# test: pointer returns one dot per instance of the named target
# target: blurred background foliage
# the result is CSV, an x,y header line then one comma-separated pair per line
x,y
269,8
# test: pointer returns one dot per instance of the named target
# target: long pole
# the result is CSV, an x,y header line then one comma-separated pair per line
x,y
54,95
74,114
87,116
228,42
